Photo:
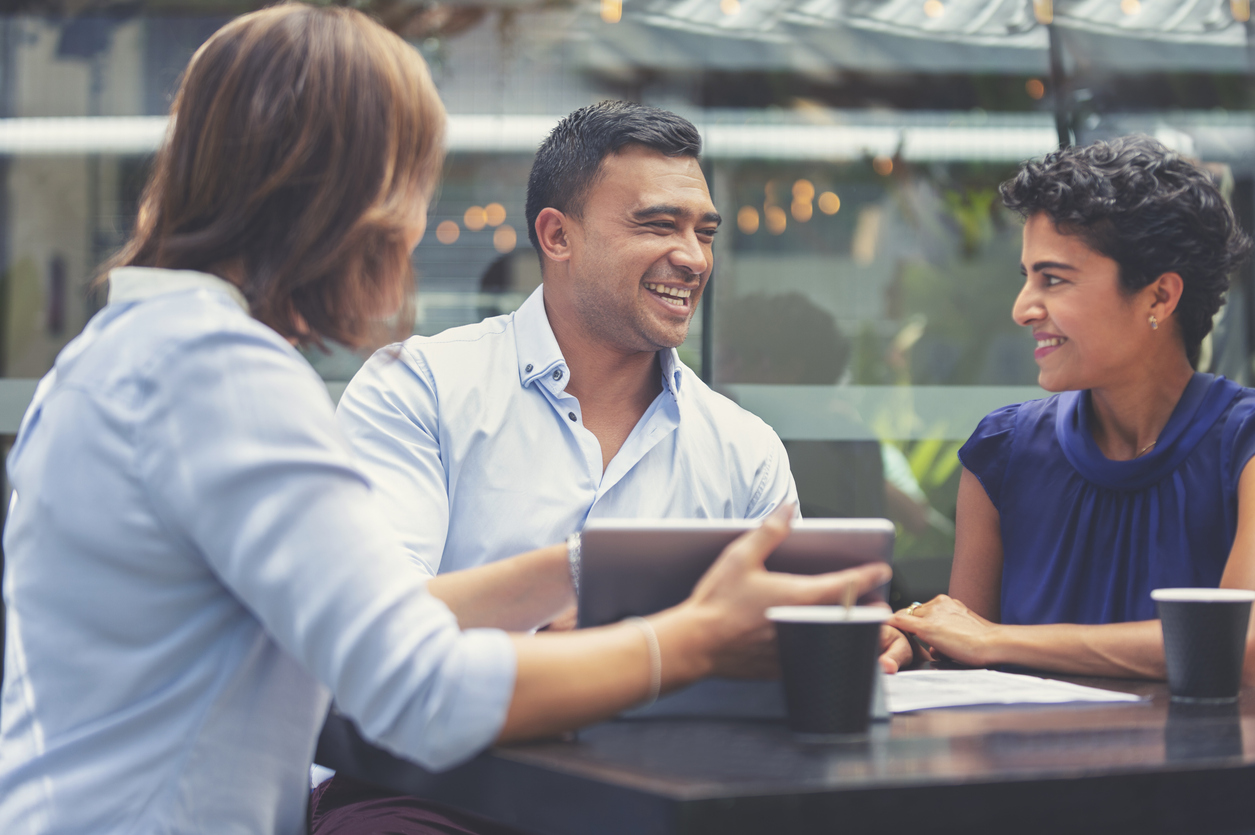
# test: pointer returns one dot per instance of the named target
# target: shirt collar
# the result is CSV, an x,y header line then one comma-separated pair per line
x,y
539,356
672,370
538,353
127,284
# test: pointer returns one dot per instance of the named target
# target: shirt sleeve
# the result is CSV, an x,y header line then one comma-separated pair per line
x,y
243,461
1238,439
987,452
389,413
774,484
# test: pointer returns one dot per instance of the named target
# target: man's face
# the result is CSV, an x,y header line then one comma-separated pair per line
x,y
641,252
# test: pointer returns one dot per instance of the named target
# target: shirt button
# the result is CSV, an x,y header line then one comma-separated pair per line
x,y
557,373
571,415
529,367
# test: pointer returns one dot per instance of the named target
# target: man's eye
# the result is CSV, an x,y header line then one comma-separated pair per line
x,y
1051,280
709,233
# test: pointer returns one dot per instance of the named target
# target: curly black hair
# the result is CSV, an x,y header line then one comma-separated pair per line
x,y
1149,210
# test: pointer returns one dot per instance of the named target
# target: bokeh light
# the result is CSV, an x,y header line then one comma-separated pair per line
x,y
776,219
504,239
883,165
1035,88
447,232
804,190
802,210
1131,7
829,203
611,10
730,7
934,8
769,189
495,214
474,218
747,220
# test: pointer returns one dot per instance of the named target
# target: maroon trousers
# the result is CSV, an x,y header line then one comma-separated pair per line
x,y
343,806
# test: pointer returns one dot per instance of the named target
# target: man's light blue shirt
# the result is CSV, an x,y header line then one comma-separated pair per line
x,y
194,567
477,452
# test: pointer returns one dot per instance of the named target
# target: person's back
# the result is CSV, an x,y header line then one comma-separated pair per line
x,y
102,572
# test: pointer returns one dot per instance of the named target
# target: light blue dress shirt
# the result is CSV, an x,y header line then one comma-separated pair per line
x,y
477,452
194,566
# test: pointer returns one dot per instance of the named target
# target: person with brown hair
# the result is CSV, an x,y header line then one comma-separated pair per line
x,y
194,564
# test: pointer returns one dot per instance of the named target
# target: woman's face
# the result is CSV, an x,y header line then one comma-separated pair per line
x,y
1090,334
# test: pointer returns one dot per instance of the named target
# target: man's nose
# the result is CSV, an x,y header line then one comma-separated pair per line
x,y
690,255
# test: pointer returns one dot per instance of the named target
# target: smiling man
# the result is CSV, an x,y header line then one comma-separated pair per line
x,y
491,439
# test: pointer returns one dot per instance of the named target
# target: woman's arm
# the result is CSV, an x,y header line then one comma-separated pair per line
x,y
1239,571
976,576
1132,649
567,680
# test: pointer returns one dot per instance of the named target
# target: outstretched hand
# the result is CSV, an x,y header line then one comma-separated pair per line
x,y
951,629
737,591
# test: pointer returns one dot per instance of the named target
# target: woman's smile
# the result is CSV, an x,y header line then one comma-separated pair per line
x,y
1047,343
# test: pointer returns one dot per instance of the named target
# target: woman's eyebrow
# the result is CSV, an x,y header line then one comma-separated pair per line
x,y
1051,265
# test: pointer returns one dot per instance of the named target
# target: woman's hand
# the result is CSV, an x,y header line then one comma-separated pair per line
x,y
734,594
952,630
567,679
896,651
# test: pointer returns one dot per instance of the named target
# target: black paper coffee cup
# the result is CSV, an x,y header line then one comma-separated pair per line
x,y
828,660
1204,641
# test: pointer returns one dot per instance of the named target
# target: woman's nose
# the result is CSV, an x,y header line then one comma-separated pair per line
x,y
1027,308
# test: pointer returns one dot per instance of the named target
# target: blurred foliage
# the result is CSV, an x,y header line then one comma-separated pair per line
x,y
935,465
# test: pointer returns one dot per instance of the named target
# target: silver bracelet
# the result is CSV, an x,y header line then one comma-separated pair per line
x,y
655,657
573,560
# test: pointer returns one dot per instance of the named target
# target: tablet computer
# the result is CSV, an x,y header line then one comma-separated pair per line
x,y
641,566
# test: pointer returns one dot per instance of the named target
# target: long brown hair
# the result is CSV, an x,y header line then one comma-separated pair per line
x,y
305,142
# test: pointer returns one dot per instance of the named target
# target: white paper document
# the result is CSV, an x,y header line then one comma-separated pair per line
x,y
925,689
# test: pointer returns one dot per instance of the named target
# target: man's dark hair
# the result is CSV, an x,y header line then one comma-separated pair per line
x,y
1149,210
568,163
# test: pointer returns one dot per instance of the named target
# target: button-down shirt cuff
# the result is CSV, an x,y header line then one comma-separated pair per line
x,y
476,717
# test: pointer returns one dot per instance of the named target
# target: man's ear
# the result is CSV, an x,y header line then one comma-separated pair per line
x,y
552,228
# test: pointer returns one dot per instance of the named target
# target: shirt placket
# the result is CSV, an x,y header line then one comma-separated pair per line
x,y
568,411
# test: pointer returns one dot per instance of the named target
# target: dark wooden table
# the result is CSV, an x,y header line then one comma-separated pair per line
x,y
1150,767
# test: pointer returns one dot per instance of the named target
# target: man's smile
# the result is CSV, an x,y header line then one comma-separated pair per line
x,y
676,296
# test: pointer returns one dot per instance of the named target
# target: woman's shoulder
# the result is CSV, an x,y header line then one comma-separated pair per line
x,y
1017,418
1004,432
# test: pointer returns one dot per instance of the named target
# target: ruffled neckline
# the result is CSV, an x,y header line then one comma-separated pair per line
x,y
1202,403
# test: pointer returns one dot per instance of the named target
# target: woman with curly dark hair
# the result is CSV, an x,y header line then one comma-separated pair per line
x,y
1073,508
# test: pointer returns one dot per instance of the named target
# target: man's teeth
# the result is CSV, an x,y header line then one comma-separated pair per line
x,y
1051,343
671,295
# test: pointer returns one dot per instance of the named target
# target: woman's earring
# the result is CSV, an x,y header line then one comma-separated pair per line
x,y
1154,323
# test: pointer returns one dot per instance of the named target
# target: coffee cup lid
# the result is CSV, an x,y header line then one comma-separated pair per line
x,y
1203,595
827,614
